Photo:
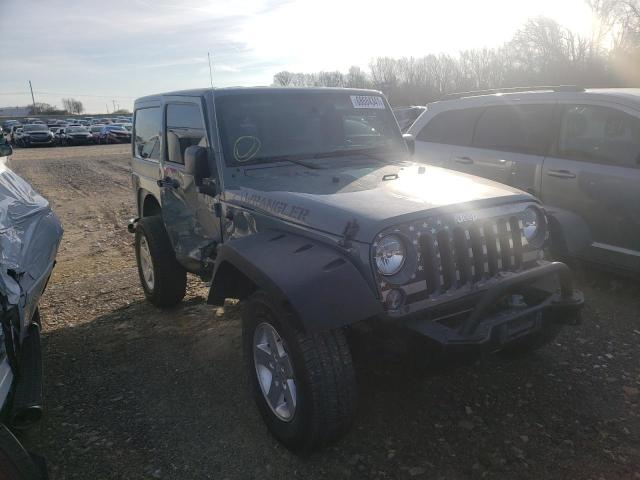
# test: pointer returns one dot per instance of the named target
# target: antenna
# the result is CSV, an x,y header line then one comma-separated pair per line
x,y
210,71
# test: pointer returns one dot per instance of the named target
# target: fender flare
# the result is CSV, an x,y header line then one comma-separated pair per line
x,y
318,283
569,233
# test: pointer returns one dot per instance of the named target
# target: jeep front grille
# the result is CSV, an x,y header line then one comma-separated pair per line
x,y
454,257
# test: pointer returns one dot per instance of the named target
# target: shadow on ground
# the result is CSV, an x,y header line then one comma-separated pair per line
x,y
144,393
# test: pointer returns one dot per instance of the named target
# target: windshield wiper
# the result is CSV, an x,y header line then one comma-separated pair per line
x,y
345,152
288,158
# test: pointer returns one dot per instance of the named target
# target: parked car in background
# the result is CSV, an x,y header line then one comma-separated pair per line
x,y
15,133
36,134
7,124
577,150
74,136
95,132
114,134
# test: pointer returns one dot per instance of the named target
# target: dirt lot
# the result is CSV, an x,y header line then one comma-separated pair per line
x,y
134,392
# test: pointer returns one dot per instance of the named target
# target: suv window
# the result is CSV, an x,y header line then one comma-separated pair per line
x,y
184,129
601,135
454,127
519,129
148,123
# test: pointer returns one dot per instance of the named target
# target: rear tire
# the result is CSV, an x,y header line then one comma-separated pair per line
x,y
163,279
324,386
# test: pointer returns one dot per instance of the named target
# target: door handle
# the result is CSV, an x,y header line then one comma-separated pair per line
x,y
168,182
561,174
465,160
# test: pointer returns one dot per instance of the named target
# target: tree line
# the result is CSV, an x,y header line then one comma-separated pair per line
x,y
542,52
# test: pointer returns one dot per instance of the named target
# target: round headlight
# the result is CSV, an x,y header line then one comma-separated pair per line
x,y
531,223
390,254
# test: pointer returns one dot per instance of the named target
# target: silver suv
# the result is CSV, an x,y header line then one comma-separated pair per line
x,y
577,150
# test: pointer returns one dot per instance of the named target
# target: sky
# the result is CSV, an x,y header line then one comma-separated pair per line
x,y
107,53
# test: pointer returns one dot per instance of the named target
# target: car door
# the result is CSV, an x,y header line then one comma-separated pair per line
x,y
509,144
446,134
594,170
189,216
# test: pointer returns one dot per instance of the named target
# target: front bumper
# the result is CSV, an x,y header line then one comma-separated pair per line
x,y
487,322
31,141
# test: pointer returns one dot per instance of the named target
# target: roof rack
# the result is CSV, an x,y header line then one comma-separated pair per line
x,y
551,88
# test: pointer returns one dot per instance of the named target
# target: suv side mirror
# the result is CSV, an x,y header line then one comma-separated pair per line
x,y
410,142
5,150
196,163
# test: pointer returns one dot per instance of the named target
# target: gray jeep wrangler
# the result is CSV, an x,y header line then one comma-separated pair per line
x,y
305,205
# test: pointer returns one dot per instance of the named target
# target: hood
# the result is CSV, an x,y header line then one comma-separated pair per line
x,y
375,197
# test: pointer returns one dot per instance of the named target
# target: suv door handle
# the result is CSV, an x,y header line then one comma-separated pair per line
x,y
561,174
465,160
168,182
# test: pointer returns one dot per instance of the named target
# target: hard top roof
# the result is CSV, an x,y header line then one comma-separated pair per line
x,y
249,90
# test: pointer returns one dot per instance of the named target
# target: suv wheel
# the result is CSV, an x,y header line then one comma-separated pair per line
x,y
163,279
303,384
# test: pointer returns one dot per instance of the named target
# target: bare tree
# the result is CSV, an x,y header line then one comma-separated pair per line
x,y
284,79
72,105
542,52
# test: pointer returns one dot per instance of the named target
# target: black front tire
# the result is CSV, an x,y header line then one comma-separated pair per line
x,y
324,376
169,277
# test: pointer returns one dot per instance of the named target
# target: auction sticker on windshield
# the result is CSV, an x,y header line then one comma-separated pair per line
x,y
367,101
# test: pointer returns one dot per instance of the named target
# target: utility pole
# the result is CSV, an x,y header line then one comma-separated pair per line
x,y
114,105
33,100
210,71
107,105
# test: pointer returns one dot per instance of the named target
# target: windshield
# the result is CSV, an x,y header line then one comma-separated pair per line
x,y
77,130
270,126
96,128
36,128
115,127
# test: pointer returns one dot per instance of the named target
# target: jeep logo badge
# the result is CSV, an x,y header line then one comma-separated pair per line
x,y
466,217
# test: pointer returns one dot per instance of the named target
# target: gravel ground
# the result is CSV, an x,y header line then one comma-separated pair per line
x,y
135,392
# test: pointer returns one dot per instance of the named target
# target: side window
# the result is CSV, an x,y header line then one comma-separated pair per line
x,y
147,126
600,135
454,127
519,129
184,129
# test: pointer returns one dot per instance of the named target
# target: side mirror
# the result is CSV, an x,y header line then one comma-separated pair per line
x,y
196,163
5,150
410,142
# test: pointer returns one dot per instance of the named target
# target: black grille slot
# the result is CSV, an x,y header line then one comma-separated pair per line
x,y
516,237
446,260
478,256
492,248
463,262
429,262
505,245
